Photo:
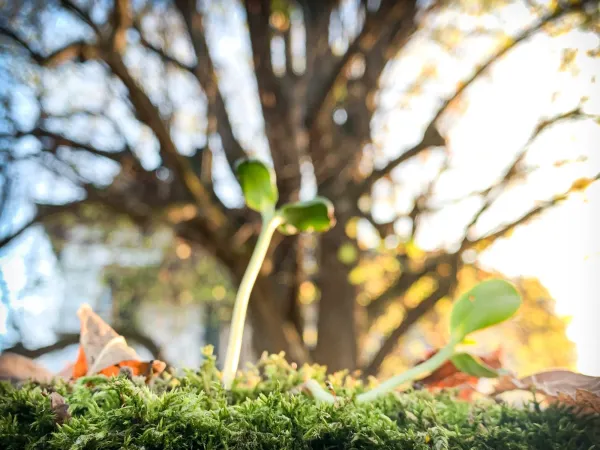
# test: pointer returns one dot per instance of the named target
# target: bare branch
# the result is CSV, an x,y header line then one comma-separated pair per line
x,y
43,212
506,229
375,24
121,21
163,55
207,77
431,136
80,13
80,51
560,12
492,192
149,115
60,140
76,50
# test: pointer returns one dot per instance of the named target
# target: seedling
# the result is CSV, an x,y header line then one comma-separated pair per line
x,y
258,185
487,304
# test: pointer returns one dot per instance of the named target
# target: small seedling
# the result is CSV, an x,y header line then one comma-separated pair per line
x,y
487,304
258,185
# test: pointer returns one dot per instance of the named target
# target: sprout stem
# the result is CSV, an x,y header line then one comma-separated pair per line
x,y
270,223
426,366
430,365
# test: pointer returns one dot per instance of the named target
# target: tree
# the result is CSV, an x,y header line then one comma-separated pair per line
x,y
134,106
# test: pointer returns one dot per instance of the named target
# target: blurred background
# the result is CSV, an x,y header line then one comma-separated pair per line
x,y
457,139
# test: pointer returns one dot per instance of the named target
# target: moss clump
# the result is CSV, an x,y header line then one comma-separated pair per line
x,y
264,412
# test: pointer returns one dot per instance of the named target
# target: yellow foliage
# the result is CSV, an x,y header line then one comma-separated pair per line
x,y
581,184
418,291
352,227
307,292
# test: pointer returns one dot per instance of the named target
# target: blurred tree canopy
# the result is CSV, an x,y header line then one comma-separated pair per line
x,y
140,108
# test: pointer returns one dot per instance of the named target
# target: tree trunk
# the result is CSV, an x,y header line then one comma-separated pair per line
x,y
337,334
268,333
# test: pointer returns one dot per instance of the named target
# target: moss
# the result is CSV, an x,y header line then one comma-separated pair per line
x,y
264,412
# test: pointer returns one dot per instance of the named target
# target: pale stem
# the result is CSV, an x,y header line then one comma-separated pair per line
x,y
430,365
426,366
234,346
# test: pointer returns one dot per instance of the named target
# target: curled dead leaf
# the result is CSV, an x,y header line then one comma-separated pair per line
x,y
562,386
103,351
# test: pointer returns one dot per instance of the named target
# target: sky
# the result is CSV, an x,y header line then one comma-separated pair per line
x,y
499,112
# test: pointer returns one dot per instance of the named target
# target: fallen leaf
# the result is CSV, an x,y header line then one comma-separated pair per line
x,y
562,386
448,376
103,351
15,367
60,408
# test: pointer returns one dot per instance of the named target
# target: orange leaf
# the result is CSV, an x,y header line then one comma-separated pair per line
x,y
80,368
448,376
138,368
103,351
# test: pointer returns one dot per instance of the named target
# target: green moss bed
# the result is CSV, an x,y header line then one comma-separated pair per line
x,y
265,410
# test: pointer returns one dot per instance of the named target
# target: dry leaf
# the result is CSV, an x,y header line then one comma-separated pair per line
x,y
448,376
103,351
563,386
59,407
15,367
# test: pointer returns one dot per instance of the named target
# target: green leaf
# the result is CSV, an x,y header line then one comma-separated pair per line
x,y
258,184
473,366
487,304
313,215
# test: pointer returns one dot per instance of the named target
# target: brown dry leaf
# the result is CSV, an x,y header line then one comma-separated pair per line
x,y
563,386
15,367
60,408
448,376
103,351
100,345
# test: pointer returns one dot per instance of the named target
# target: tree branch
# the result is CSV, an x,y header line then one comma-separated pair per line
x,y
431,136
207,77
492,192
121,21
445,287
163,55
149,115
65,340
275,103
377,306
69,5
506,229
75,50
335,148
375,23
60,140
43,212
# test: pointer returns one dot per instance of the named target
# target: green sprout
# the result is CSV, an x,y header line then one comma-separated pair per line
x,y
259,188
487,304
